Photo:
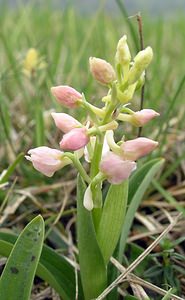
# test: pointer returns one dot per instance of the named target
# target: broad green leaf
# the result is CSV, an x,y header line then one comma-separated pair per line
x,y
137,187
92,266
53,268
112,219
17,277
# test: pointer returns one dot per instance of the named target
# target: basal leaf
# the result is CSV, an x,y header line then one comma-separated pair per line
x,y
52,267
17,277
112,219
92,266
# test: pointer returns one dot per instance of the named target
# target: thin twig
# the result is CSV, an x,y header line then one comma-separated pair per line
x,y
140,29
138,260
138,280
153,287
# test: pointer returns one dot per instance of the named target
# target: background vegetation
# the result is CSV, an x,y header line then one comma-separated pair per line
x,y
65,40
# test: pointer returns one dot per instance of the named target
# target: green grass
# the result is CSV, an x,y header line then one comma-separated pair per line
x,y
66,40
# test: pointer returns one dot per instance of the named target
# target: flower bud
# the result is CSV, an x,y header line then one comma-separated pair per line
x,y
115,168
123,56
75,139
65,122
66,96
88,201
141,62
144,58
101,70
134,149
47,160
31,60
142,117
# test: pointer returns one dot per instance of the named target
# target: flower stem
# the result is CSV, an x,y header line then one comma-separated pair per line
x,y
97,155
79,166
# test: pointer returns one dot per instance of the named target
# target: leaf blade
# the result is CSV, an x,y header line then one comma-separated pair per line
x,y
58,272
140,180
92,266
17,277
112,219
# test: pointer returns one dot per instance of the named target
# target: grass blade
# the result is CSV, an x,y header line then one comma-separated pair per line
x,y
129,23
11,168
139,183
168,197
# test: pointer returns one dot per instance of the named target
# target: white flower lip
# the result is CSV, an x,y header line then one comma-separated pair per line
x,y
88,201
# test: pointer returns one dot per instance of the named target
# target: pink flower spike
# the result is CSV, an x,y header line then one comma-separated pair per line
x,y
75,139
115,168
65,122
134,149
47,160
143,116
66,95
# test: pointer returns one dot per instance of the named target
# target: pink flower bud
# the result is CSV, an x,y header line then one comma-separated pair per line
x,y
75,139
134,149
47,160
115,168
65,122
143,116
66,95
101,70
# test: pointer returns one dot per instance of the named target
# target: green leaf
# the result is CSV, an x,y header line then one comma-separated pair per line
x,y
129,297
63,272
112,219
17,277
92,266
137,187
52,268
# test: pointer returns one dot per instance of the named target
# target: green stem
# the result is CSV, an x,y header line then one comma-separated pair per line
x,y
96,189
97,155
111,108
124,118
96,213
90,109
96,110
79,166
112,105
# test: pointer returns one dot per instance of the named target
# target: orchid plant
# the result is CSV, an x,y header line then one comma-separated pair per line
x,y
100,219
